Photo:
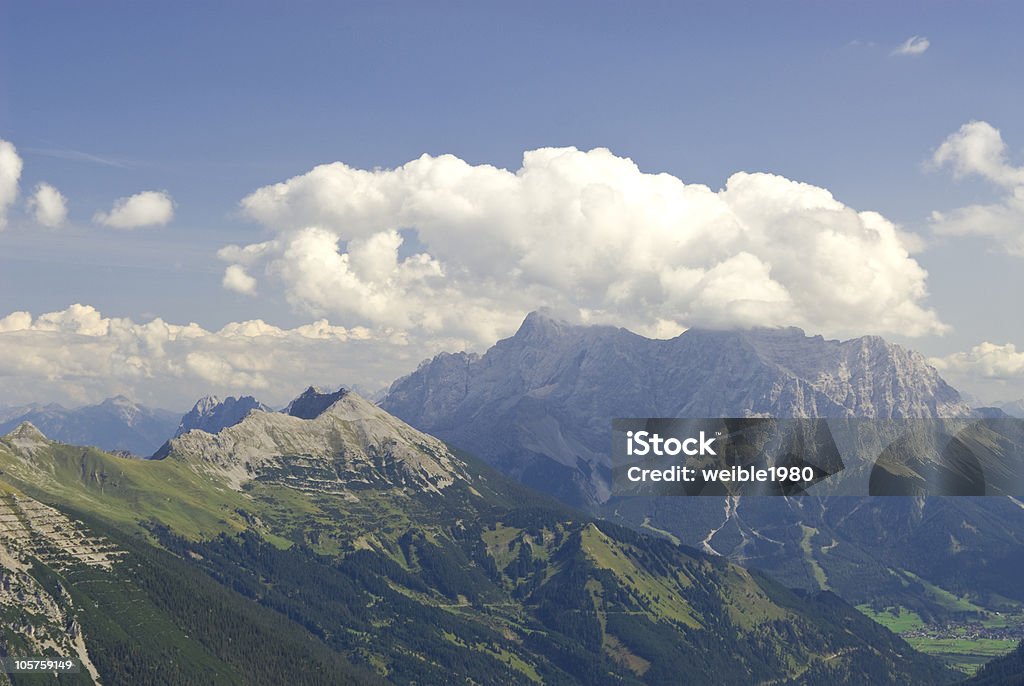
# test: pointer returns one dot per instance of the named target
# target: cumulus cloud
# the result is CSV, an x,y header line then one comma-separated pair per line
x,y
235,279
989,360
10,172
49,206
78,354
913,46
978,149
988,370
586,234
148,208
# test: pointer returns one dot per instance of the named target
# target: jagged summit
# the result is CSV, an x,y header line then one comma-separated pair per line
x,y
313,402
541,324
211,414
27,431
350,442
26,439
538,404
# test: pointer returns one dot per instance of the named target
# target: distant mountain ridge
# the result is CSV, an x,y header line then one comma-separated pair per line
x,y
539,404
114,424
1014,408
211,414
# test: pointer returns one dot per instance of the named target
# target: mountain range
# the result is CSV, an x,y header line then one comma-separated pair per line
x,y
285,547
538,406
338,515
114,424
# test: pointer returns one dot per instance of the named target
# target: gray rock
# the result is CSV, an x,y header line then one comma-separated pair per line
x,y
538,405
211,414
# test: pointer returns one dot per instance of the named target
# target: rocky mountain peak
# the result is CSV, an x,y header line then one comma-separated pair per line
x,y
312,402
206,403
26,431
539,404
350,443
26,439
540,324
122,407
211,414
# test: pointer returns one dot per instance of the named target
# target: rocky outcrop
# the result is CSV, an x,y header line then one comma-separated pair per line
x,y
351,442
211,414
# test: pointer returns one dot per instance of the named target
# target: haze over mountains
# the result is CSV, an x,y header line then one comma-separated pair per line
x,y
114,424
1013,408
349,523
342,516
538,405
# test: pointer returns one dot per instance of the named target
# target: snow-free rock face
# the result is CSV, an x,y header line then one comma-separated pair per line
x,y
27,438
350,442
313,402
211,414
539,404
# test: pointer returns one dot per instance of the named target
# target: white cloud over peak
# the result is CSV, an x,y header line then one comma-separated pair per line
x,y
978,149
78,354
10,172
586,234
148,208
915,45
49,206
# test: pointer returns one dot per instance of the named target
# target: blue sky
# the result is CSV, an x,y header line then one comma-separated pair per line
x,y
210,101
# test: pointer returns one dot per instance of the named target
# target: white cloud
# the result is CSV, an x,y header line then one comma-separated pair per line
x,y
235,279
978,149
584,233
10,172
915,45
148,208
49,206
79,354
988,370
988,360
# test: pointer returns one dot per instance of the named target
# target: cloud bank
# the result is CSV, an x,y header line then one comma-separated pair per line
x,y
442,248
79,355
148,208
10,172
49,206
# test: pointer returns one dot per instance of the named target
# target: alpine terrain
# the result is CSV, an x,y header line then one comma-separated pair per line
x,y
114,424
337,543
539,405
